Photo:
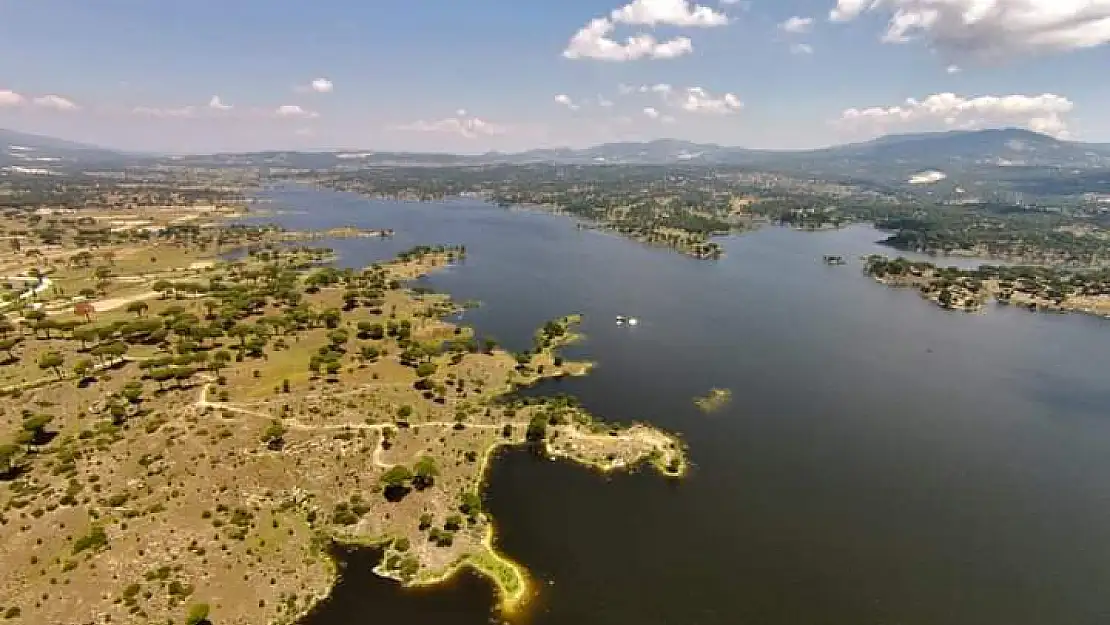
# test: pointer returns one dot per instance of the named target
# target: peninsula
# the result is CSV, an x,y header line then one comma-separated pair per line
x,y
184,435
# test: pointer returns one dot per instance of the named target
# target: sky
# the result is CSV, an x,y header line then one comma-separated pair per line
x,y
471,76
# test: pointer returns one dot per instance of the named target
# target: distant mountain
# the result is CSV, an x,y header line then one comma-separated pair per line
x,y
888,159
30,153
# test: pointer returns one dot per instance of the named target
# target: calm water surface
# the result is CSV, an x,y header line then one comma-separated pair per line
x,y
883,462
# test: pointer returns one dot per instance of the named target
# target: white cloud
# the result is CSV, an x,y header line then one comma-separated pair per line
x,y
56,102
651,112
319,85
698,100
594,41
801,48
566,101
604,102
668,12
848,9
216,104
11,98
1042,113
295,111
797,25
694,99
989,29
462,124
182,112
952,69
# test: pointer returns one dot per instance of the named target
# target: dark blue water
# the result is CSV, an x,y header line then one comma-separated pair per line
x,y
883,462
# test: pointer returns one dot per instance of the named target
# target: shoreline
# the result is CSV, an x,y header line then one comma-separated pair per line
x,y
512,583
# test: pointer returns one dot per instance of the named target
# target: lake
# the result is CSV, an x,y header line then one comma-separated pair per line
x,y
882,462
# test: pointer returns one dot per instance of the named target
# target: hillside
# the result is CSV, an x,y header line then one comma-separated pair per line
x,y
888,159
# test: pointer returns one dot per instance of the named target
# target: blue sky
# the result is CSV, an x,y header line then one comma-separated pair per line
x,y
470,76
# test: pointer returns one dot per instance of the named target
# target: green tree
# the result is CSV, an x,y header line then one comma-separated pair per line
x,y
425,369
424,473
132,391
82,367
7,345
471,504
10,459
138,308
274,435
34,428
52,360
331,318
396,477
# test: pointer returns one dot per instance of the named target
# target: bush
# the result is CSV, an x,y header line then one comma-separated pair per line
x,y
198,613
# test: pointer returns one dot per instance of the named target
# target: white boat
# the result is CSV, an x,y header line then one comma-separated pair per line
x,y
633,321
621,319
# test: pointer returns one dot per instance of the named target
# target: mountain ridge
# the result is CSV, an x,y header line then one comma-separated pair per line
x,y
897,153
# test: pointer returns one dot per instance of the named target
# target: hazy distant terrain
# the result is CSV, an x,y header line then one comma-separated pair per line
x,y
1009,159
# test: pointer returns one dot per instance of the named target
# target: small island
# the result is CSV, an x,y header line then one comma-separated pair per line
x,y
716,399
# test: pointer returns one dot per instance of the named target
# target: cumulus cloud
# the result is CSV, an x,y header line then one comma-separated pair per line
x,y
797,25
988,29
651,112
295,111
801,48
668,12
1041,113
55,102
595,39
566,101
11,98
319,85
462,124
216,104
694,99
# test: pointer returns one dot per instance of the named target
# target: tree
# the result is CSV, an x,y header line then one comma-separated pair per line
x,y
338,337
84,309
396,481
198,614
331,318
471,504
425,369
274,436
132,391
34,428
537,429
10,460
241,332
220,359
396,476
424,473
8,345
138,308
82,367
52,360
